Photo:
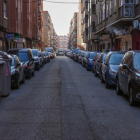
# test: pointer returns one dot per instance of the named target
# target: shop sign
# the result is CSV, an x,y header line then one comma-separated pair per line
x,y
17,36
10,36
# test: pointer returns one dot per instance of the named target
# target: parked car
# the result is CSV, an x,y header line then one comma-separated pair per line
x,y
51,56
48,56
40,55
89,60
110,68
37,59
44,57
95,61
26,57
84,59
77,53
17,72
98,66
80,56
68,53
73,53
128,77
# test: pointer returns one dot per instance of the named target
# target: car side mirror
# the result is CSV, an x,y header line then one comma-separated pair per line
x,y
125,66
32,59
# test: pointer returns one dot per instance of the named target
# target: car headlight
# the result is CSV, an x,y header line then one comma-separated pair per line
x,y
137,77
112,72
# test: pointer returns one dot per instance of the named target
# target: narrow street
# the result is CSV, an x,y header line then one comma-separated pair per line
x,y
63,101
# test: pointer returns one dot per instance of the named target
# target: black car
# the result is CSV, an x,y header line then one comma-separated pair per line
x,y
26,57
85,59
44,57
17,72
98,67
48,56
40,55
110,67
77,53
128,77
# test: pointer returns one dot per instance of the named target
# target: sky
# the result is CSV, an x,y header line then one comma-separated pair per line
x,y
61,14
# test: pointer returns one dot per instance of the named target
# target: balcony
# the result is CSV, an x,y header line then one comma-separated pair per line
x,y
127,10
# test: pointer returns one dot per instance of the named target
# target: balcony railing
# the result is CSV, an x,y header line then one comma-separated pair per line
x,y
127,10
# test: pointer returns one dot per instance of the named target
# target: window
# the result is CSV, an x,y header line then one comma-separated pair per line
x,y
5,7
137,1
114,5
107,11
100,16
93,9
86,31
103,11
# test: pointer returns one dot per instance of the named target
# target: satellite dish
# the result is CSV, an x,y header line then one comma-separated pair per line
x,y
125,30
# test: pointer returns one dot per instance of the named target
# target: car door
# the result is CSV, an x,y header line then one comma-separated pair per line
x,y
127,71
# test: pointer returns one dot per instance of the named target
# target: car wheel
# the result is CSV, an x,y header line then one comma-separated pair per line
x,y
33,73
101,77
118,90
17,85
106,83
132,102
23,79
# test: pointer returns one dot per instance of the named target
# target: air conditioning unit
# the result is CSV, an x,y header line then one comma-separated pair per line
x,y
135,24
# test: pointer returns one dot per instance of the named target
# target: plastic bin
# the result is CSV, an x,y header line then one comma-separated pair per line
x,y
6,74
1,71
6,77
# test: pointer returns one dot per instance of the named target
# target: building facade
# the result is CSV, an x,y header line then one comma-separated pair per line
x,y
89,28
47,28
63,40
4,23
118,24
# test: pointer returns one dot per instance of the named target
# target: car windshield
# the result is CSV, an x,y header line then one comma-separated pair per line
x,y
116,58
60,51
13,62
23,56
34,52
137,61
92,55
39,53
46,54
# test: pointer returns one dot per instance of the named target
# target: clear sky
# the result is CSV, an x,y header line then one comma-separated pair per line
x,y
61,14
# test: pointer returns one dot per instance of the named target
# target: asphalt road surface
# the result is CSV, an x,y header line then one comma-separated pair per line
x,y
63,101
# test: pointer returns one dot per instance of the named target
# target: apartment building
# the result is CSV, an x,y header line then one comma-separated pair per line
x,y
40,26
4,23
80,43
16,24
54,40
73,32
62,40
47,28
118,24
89,29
